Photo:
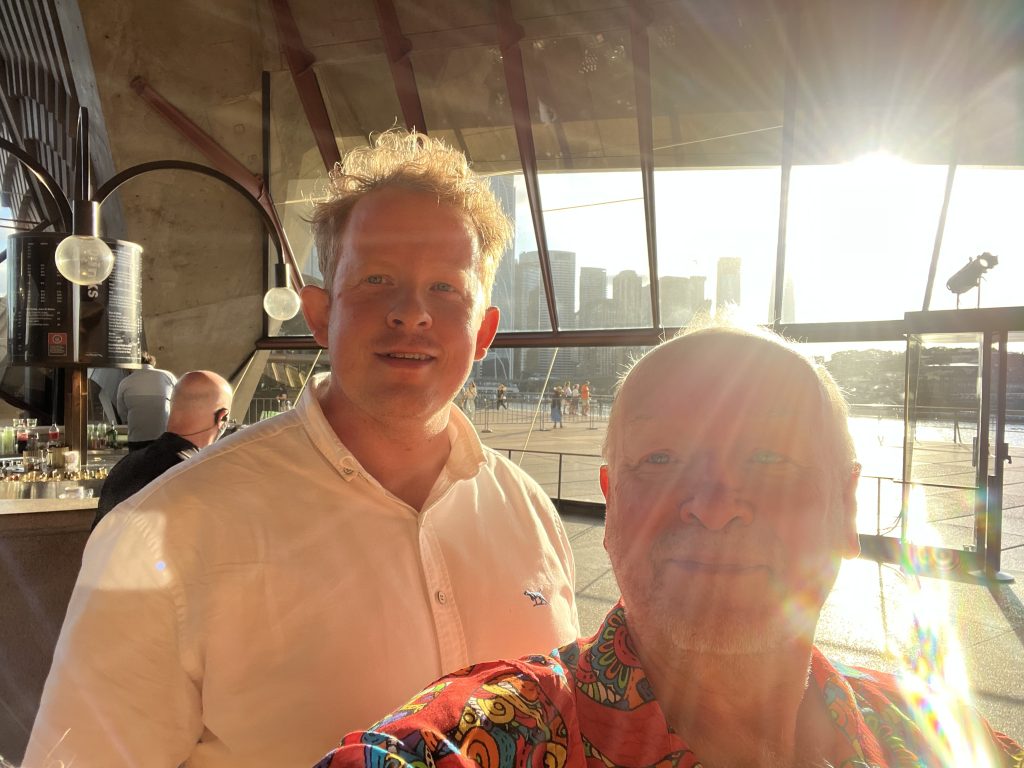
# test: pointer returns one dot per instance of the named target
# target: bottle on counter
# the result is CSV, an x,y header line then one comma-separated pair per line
x,y
112,436
22,436
55,449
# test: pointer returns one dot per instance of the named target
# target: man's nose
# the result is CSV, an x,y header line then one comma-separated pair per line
x,y
716,504
409,309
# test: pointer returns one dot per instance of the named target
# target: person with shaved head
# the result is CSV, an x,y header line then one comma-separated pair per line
x,y
730,482
200,408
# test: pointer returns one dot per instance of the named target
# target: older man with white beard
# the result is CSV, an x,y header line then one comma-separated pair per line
x,y
730,485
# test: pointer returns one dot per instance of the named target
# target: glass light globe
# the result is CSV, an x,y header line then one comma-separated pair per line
x,y
84,260
281,303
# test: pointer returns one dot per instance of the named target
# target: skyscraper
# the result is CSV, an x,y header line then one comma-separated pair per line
x,y
628,299
528,294
499,363
728,288
675,293
593,298
563,276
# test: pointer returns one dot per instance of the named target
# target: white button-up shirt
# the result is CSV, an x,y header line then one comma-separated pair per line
x,y
253,605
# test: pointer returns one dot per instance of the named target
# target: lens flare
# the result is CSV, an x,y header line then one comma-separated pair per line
x,y
934,678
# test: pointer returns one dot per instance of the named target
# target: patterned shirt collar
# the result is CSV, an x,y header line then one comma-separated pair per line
x,y
626,726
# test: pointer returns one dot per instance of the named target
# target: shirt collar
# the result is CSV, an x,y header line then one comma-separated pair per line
x,y
464,461
614,691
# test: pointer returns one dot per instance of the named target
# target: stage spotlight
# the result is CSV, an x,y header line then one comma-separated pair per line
x,y
969,276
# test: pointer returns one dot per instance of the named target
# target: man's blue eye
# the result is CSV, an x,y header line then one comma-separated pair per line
x,y
766,456
657,458
375,279
444,286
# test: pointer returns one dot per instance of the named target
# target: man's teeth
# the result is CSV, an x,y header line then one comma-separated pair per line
x,y
408,356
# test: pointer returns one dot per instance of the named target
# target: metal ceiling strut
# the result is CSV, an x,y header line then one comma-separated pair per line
x,y
399,50
639,19
300,63
509,35
793,21
224,162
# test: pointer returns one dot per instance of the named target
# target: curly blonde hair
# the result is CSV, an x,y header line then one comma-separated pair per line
x,y
413,161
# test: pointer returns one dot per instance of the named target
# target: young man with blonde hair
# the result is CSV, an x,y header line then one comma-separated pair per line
x,y
323,565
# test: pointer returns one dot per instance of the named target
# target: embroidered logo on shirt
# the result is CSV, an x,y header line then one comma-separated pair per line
x,y
536,598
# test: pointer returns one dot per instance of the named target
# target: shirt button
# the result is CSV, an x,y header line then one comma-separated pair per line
x,y
347,471
442,598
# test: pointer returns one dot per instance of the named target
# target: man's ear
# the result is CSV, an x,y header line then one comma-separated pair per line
x,y
851,539
316,308
484,336
605,481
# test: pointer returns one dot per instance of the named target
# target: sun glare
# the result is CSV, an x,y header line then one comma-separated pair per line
x,y
934,678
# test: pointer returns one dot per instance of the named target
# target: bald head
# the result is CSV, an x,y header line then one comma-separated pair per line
x,y
737,363
200,403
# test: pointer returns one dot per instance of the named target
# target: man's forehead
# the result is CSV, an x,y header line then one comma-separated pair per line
x,y
721,372
407,215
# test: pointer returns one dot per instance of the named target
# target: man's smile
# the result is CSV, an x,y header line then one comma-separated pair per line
x,y
407,356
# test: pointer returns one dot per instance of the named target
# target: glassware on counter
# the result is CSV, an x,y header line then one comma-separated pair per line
x,y
8,442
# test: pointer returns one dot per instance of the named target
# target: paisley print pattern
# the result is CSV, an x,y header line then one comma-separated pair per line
x,y
590,705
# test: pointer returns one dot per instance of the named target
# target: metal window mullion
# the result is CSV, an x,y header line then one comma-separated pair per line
x,y
509,35
641,56
786,159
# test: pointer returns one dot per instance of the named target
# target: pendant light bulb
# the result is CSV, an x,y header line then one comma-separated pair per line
x,y
84,259
281,302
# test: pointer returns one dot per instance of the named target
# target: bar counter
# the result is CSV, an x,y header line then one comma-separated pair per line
x,y
41,542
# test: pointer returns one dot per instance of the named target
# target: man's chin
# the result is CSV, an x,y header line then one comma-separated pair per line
x,y
726,632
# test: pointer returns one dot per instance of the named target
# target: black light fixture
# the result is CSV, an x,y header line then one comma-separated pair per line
x,y
969,276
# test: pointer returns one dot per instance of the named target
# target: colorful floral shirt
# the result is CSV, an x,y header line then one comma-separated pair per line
x,y
590,705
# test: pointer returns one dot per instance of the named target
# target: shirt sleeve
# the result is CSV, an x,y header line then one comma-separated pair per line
x,y
494,715
118,693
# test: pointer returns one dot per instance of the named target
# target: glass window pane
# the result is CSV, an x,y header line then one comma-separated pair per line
x,y
583,114
523,428
465,103
984,216
518,287
282,375
717,91
859,238
717,234
717,85
597,244
871,376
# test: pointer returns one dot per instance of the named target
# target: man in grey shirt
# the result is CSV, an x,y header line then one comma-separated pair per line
x,y
144,402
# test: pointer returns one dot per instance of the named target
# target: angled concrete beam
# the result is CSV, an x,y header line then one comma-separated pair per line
x,y
398,50
222,161
300,63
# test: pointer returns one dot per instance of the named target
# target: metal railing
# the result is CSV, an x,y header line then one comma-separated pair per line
x,y
523,408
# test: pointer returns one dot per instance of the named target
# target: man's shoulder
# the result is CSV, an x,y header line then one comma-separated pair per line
x,y
511,478
498,463
253,457
896,707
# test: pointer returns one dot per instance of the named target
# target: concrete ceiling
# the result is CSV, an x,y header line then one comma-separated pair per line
x,y
857,74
